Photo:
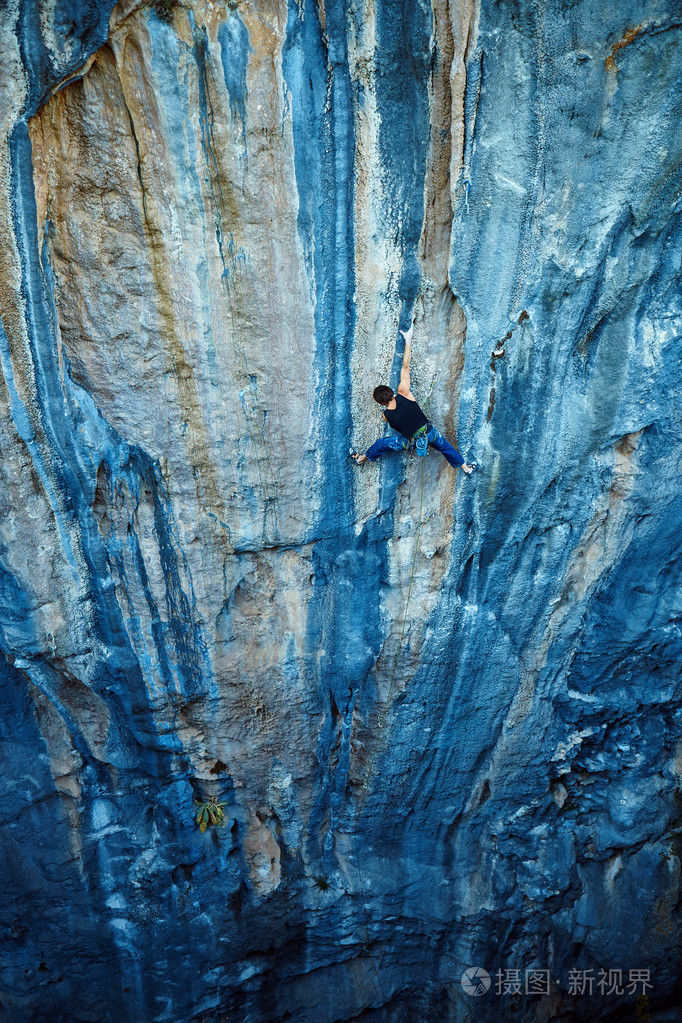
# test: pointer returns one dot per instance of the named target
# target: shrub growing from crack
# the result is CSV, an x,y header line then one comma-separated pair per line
x,y
209,814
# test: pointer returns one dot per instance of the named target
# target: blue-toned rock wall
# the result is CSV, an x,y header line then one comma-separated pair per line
x,y
441,714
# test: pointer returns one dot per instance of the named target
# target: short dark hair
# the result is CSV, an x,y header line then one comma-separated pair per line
x,y
383,394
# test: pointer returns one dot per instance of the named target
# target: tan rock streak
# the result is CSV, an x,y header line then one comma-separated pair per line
x,y
171,286
185,314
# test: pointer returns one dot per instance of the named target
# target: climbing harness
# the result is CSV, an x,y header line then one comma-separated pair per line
x,y
420,440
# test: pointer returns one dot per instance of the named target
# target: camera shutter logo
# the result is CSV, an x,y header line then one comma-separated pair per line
x,y
475,980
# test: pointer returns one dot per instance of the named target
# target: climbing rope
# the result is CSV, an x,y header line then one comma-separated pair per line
x,y
401,636
381,717
409,588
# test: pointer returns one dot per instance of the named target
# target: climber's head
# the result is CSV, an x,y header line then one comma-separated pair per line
x,y
383,394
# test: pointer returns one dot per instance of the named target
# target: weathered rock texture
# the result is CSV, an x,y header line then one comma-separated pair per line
x,y
443,714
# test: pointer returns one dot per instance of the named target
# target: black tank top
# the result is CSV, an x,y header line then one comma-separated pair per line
x,y
406,417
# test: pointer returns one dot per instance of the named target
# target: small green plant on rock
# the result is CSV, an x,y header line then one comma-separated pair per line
x,y
210,813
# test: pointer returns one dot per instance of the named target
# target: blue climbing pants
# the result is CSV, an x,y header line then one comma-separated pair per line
x,y
397,443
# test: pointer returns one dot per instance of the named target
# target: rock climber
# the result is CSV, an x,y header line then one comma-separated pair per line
x,y
404,415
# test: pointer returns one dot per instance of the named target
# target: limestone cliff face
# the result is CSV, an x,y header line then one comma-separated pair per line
x,y
442,714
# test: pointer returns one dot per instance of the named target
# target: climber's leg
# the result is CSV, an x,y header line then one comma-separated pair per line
x,y
383,445
438,441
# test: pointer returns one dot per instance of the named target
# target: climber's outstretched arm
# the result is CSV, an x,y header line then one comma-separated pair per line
x,y
404,385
